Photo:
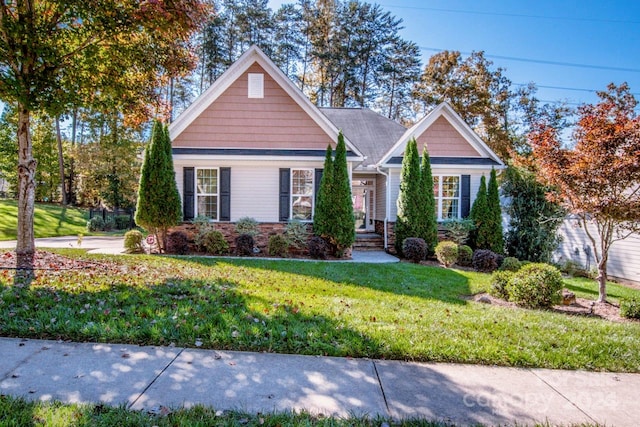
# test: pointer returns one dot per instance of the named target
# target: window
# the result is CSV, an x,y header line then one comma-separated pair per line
x,y
302,194
446,190
207,193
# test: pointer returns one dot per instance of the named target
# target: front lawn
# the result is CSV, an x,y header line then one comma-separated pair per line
x,y
48,221
393,311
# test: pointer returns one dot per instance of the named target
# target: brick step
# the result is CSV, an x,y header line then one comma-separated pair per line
x,y
368,242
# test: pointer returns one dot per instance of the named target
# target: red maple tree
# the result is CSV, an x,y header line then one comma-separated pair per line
x,y
597,179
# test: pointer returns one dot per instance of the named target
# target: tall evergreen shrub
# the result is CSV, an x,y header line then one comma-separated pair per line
x,y
533,219
322,214
409,198
159,206
495,235
427,222
342,219
478,236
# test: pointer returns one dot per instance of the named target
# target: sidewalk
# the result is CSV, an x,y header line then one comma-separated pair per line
x,y
146,378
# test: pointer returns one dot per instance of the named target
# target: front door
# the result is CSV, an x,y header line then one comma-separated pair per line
x,y
362,194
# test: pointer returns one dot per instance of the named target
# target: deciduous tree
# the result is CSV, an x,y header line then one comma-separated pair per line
x,y
598,178
52,53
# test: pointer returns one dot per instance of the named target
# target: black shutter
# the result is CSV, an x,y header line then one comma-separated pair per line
x,y
317,178
465,192
188,193
285,194
225,194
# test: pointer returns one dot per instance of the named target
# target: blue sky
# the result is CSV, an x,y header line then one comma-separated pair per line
x,y
602,37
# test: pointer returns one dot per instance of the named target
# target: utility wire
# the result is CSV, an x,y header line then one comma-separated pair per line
x,y
541,61
516,15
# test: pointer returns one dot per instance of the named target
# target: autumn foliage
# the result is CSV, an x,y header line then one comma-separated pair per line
x,y
597,179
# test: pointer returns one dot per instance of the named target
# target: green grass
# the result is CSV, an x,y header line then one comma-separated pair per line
x,y
48,220
394,311
18,412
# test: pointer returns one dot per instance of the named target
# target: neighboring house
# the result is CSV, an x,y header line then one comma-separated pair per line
x,y
624,255
253,145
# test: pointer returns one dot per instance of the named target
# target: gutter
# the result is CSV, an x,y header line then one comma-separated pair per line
x,y
388,206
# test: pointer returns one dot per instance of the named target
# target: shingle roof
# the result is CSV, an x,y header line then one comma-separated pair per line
x,y
371,133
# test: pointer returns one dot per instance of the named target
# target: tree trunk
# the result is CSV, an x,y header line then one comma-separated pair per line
x,y
61,162
602,280
25,248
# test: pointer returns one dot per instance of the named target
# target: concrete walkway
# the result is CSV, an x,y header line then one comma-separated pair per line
x,y
148,378
93,244
112,245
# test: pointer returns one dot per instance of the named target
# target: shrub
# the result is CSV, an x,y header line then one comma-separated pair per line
x,y
447,253
484,260
203,226
247,226
244,245
500,283
296,234
278,245
630,308
178,243
535,285
414,248
122,222
133,242
95,224
510,264
465,255
214,242
317,247
458,230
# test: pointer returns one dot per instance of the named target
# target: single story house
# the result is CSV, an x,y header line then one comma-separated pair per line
x,y
253,145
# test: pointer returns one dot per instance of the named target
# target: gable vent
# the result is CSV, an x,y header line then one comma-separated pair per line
x,y
256,85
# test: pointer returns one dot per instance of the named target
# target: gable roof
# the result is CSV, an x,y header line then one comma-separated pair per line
x,y
446,111
373,133
235,71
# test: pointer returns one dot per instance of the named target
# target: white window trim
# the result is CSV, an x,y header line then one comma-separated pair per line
x,y
439,197
195,177
291,194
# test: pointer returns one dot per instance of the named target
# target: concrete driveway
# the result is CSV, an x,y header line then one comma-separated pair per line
x,y
94,244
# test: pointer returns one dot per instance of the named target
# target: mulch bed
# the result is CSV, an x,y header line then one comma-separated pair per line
x,y
582,307
48,261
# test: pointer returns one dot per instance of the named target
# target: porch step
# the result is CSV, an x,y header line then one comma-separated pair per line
x,y
368,242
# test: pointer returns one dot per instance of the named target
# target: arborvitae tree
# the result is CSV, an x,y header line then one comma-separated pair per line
x,y
408,202
322,218
428,222
159,206
343,222
495,237
478,214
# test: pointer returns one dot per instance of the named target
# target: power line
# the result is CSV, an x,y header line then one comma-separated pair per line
x,y
542,61
568,88
516,15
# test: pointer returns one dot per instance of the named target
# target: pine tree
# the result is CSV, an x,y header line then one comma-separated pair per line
x,y
322,217
478,214
159,206
428,221
342,220
408,202
495,236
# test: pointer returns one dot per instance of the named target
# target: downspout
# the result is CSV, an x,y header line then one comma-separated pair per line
x,y
388,206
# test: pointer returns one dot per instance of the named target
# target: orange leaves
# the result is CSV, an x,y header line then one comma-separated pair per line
x,y
600,174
